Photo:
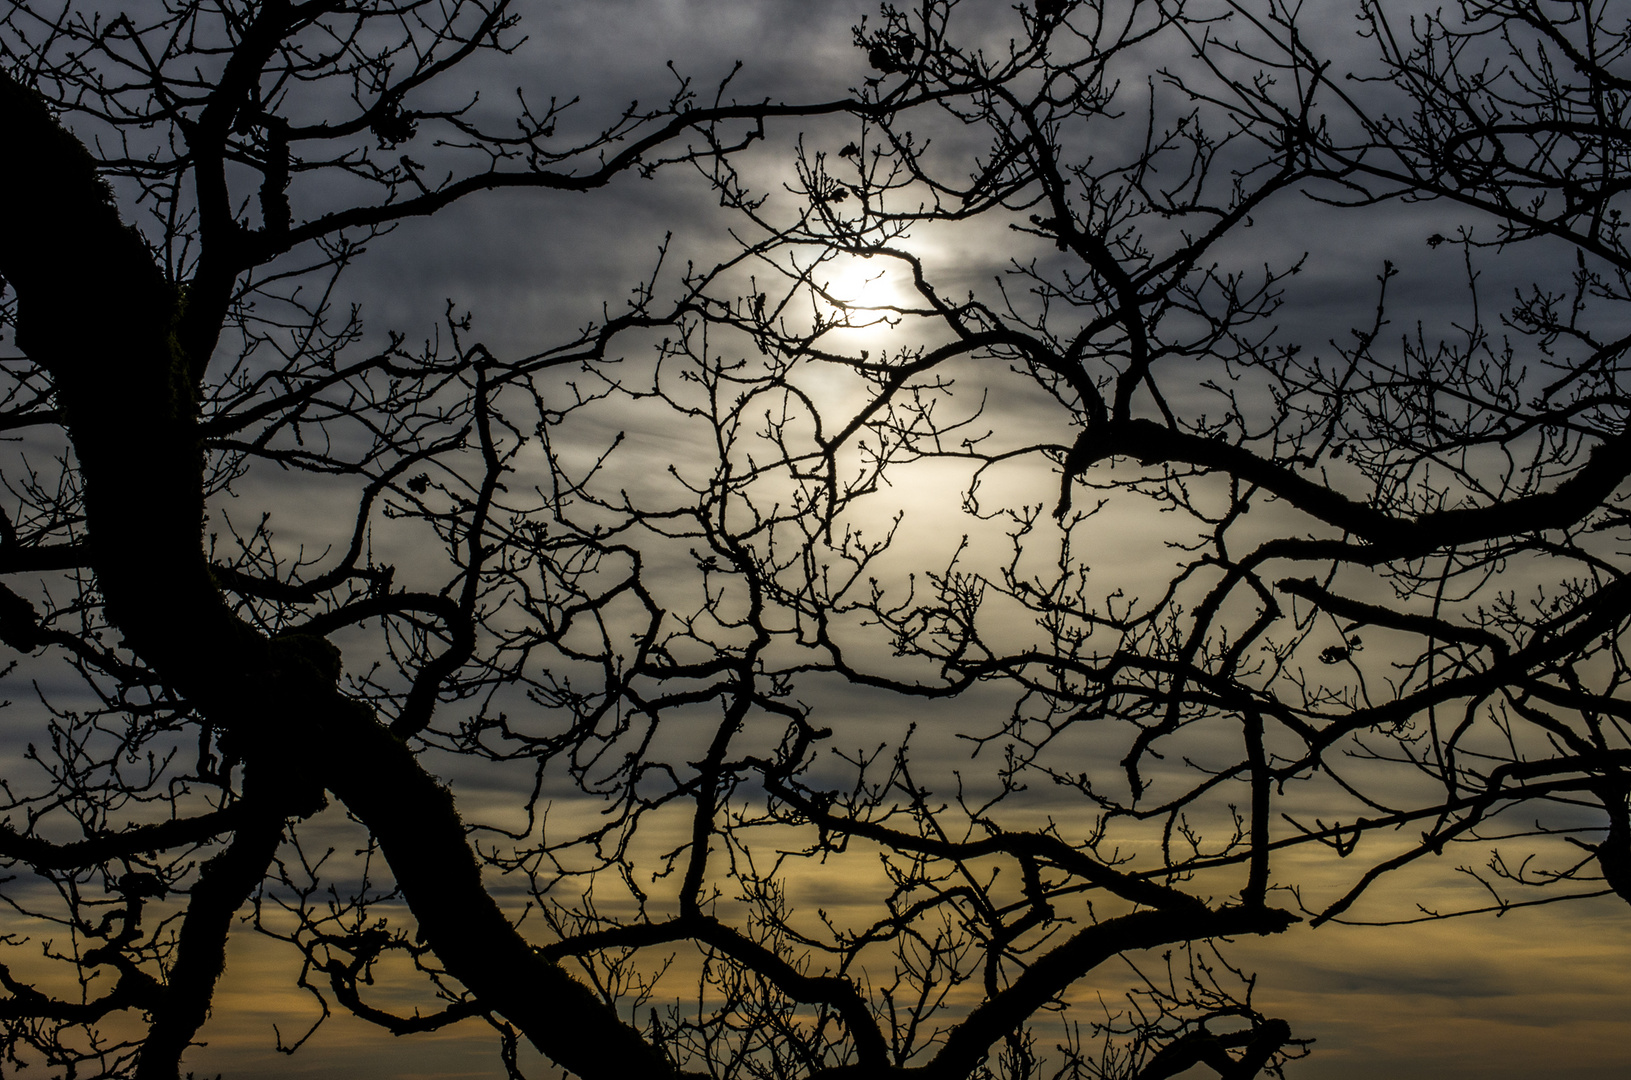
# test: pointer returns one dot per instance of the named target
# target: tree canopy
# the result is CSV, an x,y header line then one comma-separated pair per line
x,y
826,661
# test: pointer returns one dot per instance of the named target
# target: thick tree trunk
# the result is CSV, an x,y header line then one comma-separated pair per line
x,y
96,313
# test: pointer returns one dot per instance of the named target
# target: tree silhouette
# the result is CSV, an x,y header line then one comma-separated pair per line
x,y
671,580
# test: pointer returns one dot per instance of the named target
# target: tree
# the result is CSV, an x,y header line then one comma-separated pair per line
x,y
201,106
678,646
1402,477
1398,561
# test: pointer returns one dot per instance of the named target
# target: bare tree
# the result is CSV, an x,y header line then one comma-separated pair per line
x,y
173,357
1395,599
1493,462
1343,510
687,655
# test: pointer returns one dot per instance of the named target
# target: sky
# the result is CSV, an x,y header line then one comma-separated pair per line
x,y
1537,992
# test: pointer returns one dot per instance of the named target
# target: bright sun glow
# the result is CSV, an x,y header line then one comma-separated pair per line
x,y
863,283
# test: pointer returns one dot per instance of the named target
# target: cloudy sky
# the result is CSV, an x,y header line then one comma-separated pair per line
x,y
1538,992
